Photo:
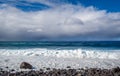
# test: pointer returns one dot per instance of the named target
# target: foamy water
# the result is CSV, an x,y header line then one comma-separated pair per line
x,y
76,53
54,58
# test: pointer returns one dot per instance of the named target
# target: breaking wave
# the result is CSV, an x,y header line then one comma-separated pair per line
x,y
63,53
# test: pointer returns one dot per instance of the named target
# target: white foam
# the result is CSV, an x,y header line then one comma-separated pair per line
x,y
40,58
77,53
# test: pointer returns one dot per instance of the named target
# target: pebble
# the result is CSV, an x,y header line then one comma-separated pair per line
x,y
65,72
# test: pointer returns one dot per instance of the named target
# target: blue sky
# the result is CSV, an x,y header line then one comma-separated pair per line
x,y
74,20
110,6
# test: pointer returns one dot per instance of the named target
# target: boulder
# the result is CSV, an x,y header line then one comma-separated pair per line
x,y
116,70
25,65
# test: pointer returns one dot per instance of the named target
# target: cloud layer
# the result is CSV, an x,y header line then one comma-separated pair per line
x,y
67,22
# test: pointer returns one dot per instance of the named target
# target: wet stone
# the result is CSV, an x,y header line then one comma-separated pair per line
x,y
26,65
65,72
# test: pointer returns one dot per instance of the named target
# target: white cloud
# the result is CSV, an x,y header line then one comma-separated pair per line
x,y
51,3
65,20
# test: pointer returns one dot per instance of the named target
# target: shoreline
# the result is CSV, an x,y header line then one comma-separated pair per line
x,y
68,61
63,72
13,62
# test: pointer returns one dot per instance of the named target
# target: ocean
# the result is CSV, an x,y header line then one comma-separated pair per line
x,y
79,49
55,54
88,45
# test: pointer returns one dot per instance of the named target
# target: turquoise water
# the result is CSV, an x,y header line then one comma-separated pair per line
x,y
101,45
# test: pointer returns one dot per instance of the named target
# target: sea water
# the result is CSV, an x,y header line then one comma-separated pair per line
x,y
54,54
61,44
77,49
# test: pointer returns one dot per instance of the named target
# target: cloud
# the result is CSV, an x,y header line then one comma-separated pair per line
x,y
61,22
51,3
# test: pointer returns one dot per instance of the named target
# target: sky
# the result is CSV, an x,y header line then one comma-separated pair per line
x,y
59,20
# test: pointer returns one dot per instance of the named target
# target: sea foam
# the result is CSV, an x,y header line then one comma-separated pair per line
x,y
76,53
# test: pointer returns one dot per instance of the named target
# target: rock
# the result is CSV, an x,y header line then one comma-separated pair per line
x,y
25,65
68,67
47,68
1,69
115,70
7,67
12,70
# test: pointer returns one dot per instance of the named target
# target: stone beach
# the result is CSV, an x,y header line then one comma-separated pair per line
x,y
60,72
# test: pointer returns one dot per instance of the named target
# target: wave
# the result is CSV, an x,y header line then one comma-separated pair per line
x,y
37,44
76,53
